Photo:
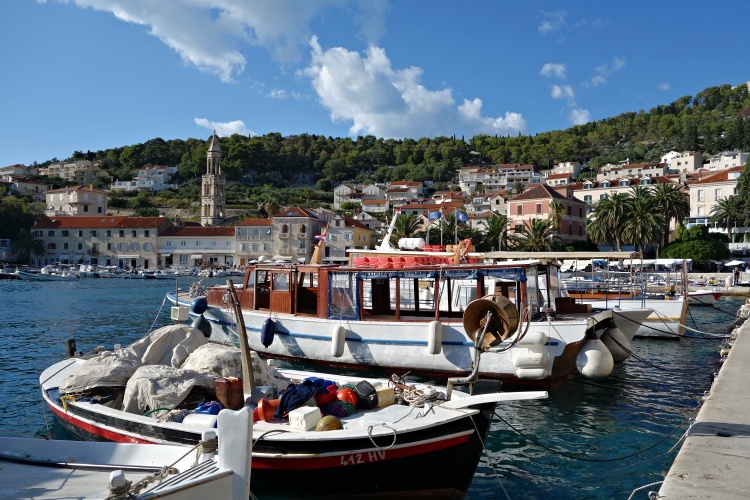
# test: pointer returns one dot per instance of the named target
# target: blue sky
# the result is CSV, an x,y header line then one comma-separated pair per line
x,y
97,74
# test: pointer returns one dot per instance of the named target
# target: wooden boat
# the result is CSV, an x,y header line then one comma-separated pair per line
x,y
405,310
369,455
44,469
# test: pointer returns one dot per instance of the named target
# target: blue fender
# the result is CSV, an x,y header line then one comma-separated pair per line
x,y
267,331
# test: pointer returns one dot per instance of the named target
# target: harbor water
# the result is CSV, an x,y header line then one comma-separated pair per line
x,y
588,440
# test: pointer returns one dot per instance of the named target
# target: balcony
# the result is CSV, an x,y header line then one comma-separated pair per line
x,y
284,236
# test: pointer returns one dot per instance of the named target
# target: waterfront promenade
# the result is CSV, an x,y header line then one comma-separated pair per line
x,y
714,461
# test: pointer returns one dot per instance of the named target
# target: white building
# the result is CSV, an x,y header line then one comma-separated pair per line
x,y
727,159
76,200
150,178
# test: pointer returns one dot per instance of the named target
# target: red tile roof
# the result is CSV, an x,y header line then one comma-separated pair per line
x,y
187,231
94,222
722,176
255,222
538,191
76,188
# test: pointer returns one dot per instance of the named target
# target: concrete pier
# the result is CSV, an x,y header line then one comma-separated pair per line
x,y
714,461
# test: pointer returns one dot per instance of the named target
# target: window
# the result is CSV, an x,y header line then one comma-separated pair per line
x,y
587,198
64,232
604,184
701,196
570,209
302,229
134,246
147,247
539,208
121,247
99,210
603,196
717,194
80,233
519,210
50,233
183,243
109,246
134,233
169,243
93,232
65,246
109,233
85,208
146,233
284,229
213,243
122,233
80,246
348,236
701,210
51,246
94,248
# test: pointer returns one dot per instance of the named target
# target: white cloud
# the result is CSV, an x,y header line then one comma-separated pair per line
x,y
283,94
562,92
225,129
579,116
664,86
552,21
604,71
553,69
210,34
385,102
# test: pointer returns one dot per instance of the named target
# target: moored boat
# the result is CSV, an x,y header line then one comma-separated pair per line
x,y
406,310
703,297
54,469
365,454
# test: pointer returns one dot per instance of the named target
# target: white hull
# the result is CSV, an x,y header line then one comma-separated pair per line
x,y
666,321
50,469
703,297
45,277
546,353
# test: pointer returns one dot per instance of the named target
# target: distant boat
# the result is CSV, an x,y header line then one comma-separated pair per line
x,y
48,273
703,297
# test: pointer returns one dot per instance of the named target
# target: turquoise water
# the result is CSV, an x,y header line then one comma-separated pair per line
x,y
641,410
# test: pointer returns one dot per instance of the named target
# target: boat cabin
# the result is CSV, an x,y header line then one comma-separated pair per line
x,y
415,292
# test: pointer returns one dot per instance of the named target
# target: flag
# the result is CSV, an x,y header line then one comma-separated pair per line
x,y
461,217
321,237
442,213
434,215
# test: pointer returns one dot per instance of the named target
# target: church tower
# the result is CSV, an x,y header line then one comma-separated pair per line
x,y
212,198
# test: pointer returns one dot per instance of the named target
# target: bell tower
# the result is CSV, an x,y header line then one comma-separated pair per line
x,y
212,190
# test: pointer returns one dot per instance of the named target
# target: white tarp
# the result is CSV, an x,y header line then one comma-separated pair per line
x,y
160,370
170,345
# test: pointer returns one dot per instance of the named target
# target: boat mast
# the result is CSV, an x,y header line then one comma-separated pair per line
x,y
385,245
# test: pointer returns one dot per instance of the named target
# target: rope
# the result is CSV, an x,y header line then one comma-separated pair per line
x,y
647,486
164,300
584,459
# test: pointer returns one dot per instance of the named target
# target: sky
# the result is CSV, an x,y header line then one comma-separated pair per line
x,y
89,75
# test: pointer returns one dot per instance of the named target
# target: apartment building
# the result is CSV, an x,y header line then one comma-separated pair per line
x,y
197,246
76,200
126,242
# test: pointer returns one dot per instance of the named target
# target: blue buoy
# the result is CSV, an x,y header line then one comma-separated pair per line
x,y
266,332
199,305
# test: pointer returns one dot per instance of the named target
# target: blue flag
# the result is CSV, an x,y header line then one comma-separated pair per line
x,y
461,217
434,215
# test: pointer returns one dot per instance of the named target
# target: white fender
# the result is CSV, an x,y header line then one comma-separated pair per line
x,y
338,340
533,337
594,360
435,337
529,359
613,338
531,373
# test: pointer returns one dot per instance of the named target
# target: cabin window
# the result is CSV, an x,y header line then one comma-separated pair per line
x,y
280,282
342,290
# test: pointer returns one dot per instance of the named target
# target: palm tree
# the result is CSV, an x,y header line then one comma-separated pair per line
x,y
270,203
406,226
25,245
497,231
539,236
671,201
556,213
610,214
518,187
727,212
643,224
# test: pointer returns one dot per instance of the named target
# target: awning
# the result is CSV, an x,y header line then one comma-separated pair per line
x,y
165,254
196,256
62,257
134,256
76,258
